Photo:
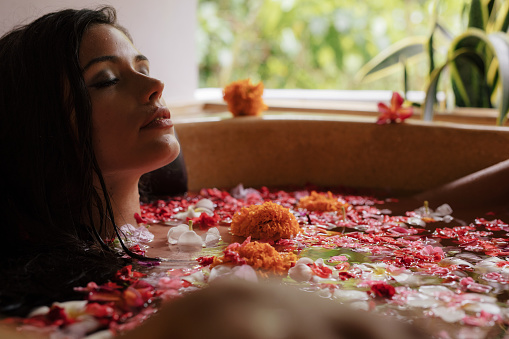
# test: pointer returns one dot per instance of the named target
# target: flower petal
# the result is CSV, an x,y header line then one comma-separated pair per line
x,y
396,101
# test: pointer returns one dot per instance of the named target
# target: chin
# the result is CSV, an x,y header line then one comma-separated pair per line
x,y
172,152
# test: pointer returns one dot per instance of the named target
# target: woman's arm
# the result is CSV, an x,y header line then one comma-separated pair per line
x,y
488,187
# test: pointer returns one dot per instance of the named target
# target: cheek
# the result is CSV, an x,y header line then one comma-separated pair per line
x,y
107,118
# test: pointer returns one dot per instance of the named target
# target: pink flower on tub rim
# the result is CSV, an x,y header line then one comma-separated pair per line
x,y
395,113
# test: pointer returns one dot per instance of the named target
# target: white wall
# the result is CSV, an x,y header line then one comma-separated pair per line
x,y
163,30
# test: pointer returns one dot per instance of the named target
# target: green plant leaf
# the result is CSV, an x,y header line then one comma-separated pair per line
x,y
469,83
392,56
490,5
431,94
497,44
431,90
492,75
431,54
468,79
405,79
477,15
500,44
501,23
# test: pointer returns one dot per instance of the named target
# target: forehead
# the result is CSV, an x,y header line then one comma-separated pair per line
x,y
101,40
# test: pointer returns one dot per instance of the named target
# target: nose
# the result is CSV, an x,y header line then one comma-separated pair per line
x,y
154,90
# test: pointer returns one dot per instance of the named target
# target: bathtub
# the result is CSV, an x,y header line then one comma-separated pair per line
x,y
334,150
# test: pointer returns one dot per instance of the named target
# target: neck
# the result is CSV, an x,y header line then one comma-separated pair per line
x,y
125,201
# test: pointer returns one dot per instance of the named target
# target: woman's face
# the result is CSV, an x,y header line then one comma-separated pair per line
x,y
131,126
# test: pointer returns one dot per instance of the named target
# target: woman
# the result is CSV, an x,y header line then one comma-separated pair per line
x,y
81,121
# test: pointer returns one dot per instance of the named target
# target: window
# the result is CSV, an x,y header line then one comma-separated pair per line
x,y
309,44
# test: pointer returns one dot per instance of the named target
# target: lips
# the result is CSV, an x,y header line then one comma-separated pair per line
x,y
160,117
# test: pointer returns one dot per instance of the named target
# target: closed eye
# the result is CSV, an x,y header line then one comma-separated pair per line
x,y
105,83
143,68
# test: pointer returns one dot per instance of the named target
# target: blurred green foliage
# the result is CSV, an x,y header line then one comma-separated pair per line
x,y
310,44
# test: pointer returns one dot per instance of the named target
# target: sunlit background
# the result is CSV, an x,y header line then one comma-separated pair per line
x,y
311,44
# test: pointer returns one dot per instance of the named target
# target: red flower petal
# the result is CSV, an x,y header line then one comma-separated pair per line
x,y
384,290
396,101
321,270
394,113
383,108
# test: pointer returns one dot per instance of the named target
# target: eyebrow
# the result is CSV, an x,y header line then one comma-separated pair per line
x,y
112,58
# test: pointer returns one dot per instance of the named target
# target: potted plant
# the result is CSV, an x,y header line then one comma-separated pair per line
x,y
477,59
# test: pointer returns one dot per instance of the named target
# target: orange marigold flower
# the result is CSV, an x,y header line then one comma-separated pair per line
x,y
244,98
268,221
321,203
261,256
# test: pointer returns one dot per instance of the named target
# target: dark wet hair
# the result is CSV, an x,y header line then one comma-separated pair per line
x,y
47,197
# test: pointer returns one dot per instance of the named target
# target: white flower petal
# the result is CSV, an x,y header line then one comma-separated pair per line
x,y
476,297
200,210
443,210
175,232
447,219
304,260
205,204
211,240
212,237
73,308
245,272
350,295
416,222
360,305
189,241
219,271
196,277
239,192
488,265
190,213
38,311
319,261
486,307
421,300
213,231
433,290
300,272
456,261
449,314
